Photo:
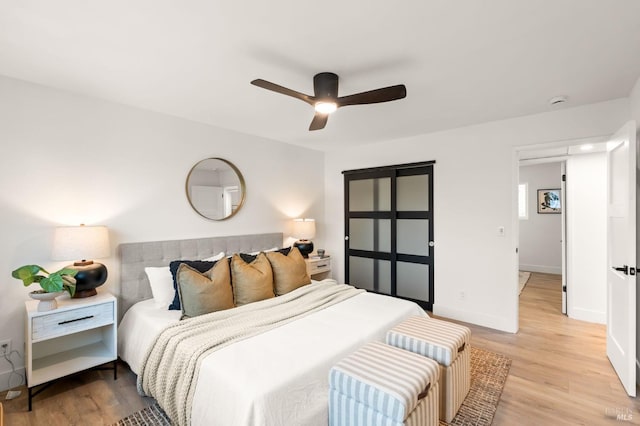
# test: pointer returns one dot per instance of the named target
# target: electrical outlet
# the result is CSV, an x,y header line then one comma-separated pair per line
x,y
462,295
5,347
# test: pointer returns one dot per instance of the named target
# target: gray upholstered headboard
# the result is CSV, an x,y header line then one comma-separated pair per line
x,y
134,257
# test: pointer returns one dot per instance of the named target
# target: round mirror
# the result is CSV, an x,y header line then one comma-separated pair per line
x,y
215,188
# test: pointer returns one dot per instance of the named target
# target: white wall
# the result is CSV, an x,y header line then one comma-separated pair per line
x,y
475,193
69,159
540,246
586,211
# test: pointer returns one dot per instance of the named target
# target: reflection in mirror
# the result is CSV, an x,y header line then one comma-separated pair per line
x,y
215,188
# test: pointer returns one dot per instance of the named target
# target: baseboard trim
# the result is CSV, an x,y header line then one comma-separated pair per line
x,y
587,315
541,268
484,320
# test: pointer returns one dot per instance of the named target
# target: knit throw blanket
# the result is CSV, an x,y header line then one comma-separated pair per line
x,y
170,370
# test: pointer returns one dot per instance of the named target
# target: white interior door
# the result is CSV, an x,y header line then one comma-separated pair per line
x,y
621,255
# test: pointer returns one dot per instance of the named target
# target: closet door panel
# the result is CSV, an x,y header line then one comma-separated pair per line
x,y
370,234
370,195
370,274
413,236
413,193
412,281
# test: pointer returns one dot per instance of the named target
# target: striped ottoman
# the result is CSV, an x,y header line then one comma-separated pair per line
x,y
446,343
379,385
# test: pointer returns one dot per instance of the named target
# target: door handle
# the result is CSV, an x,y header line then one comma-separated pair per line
x,y
623,268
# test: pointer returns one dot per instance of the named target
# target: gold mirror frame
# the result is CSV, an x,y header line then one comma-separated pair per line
x,y
207,190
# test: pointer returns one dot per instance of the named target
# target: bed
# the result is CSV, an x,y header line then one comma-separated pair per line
x,y
278,377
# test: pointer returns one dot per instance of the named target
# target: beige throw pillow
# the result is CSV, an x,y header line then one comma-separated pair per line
x,y
204,293
251,281
289,272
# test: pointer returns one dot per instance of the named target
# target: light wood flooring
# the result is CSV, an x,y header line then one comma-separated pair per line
x,y
560,375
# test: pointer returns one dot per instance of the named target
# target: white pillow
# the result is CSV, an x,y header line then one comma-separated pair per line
x,y
161,285
255,253
214,258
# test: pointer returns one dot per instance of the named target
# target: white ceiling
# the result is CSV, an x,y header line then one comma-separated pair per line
x,y
463,61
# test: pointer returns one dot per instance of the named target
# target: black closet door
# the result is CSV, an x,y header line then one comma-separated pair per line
x,y
389,230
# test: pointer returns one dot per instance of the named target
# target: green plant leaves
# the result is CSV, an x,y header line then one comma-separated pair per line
x,y
67,271
28,274
55,281
52,283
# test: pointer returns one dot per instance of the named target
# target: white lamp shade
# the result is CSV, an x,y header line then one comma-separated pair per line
x,y
304,229
81,242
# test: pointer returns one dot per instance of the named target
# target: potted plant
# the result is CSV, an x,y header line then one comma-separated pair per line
x,y
52,283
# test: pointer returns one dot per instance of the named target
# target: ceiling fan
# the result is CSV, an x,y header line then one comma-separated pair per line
x,y
326,100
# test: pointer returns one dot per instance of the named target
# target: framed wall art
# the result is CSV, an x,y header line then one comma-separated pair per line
x,y
549,201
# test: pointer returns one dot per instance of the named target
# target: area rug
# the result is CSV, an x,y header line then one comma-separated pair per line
x,y
489,371
150,416
523,277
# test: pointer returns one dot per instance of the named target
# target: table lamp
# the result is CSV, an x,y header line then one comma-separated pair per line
x,y
304,230
83,242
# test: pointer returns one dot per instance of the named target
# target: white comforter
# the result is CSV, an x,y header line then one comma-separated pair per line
x,y
276,378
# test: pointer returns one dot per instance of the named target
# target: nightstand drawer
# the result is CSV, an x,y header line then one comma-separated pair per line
x,y
72,321
317,266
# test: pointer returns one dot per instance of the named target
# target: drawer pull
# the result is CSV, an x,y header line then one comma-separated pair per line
x,y
74,320
322,265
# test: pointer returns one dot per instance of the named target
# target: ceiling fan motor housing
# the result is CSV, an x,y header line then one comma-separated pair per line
x,y
325,86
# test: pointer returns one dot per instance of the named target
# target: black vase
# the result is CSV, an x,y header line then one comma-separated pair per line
x,y
89,277
305,247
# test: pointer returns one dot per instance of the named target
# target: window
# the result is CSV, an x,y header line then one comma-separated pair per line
x,y
523,192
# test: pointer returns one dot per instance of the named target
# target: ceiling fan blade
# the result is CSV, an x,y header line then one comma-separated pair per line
x,y
319,121
385,94
283,90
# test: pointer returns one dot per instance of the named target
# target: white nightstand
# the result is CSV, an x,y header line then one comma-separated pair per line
x,y
79,335
319,268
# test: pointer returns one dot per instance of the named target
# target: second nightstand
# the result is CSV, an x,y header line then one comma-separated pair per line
x,y
319,268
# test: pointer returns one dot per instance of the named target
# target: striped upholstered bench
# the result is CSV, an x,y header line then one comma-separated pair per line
x,y
379,385
449,345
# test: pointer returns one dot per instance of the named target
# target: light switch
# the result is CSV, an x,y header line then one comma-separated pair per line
x,y
500,231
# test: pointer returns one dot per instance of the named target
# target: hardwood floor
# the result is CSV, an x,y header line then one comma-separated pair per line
x,y
89,398
560,375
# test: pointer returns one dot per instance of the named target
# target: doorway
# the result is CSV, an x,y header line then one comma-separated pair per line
x,y
576,246
541,211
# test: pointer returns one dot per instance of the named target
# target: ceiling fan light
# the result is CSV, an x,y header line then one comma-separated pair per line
x,y
325,107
